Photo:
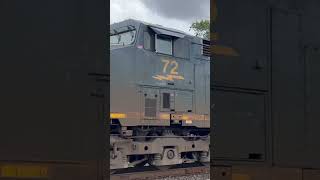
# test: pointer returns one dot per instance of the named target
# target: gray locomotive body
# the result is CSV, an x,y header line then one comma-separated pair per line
x,y
159,96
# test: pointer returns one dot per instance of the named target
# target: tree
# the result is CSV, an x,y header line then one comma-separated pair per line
x,y
201,28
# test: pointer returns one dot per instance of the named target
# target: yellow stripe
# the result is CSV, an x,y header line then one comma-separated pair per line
x,y
240,177
223,50
23,171
117,115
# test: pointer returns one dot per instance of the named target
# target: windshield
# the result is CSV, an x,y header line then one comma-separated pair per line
x,y
123,38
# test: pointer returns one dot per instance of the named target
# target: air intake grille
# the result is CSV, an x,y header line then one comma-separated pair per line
x,y
206,48
150,108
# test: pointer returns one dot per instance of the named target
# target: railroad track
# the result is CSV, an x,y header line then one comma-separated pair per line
x,y
148,173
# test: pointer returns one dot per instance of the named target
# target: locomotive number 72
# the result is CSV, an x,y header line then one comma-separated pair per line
x,y
173,66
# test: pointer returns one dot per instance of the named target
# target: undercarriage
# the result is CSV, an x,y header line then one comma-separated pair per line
x,y
158,146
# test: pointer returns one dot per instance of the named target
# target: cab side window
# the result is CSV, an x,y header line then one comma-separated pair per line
x,y
164,44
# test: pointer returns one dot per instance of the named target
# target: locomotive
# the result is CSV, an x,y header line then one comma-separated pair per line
x,y
159,96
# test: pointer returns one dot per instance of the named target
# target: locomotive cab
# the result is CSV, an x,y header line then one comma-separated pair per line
x,y
154,69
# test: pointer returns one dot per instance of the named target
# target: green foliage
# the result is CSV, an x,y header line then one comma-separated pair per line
x,y
201,28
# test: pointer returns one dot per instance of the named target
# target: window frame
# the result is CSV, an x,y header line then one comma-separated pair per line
x,y
145,34
136,31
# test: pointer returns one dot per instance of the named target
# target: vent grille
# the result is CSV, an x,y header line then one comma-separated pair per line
x,y
206,48
150,108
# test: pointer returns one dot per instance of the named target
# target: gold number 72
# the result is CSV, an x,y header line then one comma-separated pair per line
x,y
173,64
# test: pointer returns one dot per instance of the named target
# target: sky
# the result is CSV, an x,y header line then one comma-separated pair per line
x,y
177,14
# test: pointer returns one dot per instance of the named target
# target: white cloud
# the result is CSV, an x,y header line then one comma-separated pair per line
x,y
135,9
